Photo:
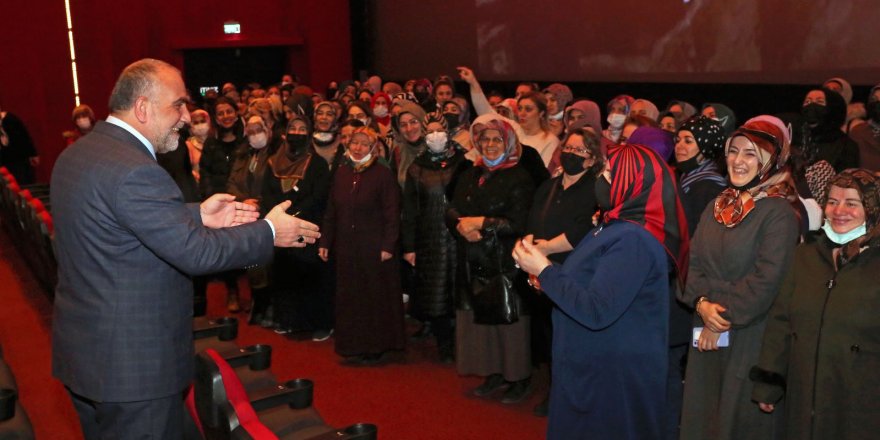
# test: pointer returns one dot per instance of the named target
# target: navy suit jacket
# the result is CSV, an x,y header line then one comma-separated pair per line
x,y
126,245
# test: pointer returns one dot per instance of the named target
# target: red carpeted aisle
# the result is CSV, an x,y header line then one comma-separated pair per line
x,y
418,399
25,329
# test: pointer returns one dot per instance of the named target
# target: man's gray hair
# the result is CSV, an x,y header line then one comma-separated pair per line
x,y
138,79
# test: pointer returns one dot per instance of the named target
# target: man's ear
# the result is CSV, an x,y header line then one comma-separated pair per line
x,y
141,109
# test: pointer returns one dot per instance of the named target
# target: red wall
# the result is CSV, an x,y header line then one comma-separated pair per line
x,y
35,79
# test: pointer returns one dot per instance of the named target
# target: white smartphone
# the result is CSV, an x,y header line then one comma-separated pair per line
x,y
723,340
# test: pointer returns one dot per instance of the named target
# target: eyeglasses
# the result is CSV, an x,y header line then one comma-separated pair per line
x,y
578,150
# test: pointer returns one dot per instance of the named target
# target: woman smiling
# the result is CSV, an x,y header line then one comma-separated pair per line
x,y
740,252
489,210
820,353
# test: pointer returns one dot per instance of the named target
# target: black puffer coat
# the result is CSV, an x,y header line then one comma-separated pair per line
x,y
504,198
426,194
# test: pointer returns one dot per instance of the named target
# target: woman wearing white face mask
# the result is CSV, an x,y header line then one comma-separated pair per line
x,y
246,178
820,351
200,128
246,182
618,109
426,240
558,98
360,231
381,107
84,119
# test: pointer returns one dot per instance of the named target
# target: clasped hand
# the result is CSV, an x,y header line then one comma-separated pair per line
x,y
529,257
469,228
711,314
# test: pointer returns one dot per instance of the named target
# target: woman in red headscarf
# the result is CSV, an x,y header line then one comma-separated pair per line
x,y
610,325
380,104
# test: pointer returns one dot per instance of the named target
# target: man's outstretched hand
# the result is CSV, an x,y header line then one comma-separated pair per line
x,y
222,211
289,230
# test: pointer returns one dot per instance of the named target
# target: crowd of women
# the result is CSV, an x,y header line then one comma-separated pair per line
x,y
684,276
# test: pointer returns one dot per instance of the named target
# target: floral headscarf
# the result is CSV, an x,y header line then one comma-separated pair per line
x,y
512,147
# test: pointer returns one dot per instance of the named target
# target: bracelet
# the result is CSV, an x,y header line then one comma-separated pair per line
x,y
697,304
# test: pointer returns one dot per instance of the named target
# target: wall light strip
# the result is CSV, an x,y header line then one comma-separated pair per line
x,y
72,52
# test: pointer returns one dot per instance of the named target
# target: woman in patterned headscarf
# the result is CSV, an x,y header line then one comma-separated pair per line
x,y
488,212
820,349
742,247
612,302
699,142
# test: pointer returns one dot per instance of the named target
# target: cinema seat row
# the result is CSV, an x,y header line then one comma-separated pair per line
x,y
26,216
234,396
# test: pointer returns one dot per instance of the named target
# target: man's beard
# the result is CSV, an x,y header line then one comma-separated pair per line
x,y
168,142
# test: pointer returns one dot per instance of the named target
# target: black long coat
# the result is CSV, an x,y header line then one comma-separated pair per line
x,y
424,231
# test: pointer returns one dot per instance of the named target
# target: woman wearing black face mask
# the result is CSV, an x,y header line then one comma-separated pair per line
x,y
562,213
298,174
823,112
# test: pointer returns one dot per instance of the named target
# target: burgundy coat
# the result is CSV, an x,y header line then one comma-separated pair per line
x,y
362,220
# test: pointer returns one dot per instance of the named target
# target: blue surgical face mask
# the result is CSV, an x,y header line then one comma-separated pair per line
x,y
846,237
493,163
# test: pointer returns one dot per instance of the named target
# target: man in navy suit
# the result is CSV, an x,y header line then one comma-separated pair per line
x,y
127,245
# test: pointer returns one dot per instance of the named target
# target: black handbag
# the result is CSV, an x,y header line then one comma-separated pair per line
x,y
494,299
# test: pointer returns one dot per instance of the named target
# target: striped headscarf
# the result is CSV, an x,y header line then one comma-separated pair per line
x,y
643,191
